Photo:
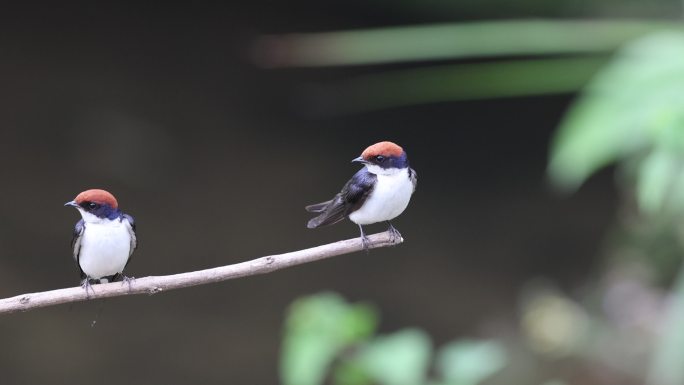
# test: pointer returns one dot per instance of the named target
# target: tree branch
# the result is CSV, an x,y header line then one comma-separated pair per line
x,y
156,284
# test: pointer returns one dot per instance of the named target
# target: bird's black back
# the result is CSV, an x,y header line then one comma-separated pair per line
x,y
352,196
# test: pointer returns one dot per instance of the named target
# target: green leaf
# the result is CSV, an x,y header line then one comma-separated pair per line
x,y
470,362
317,329
450,41
349,372
632,106
655,178
401,358
589,139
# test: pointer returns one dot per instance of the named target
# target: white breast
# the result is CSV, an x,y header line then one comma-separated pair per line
x,y
388,199
105,248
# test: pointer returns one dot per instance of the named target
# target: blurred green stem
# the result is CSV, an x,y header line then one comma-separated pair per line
x,y
667,367
450,41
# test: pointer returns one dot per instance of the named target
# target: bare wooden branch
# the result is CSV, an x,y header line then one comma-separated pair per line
x,y
157,284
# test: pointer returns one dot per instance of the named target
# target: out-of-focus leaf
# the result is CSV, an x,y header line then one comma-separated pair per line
x,y
553,324
470,362
349,372
589,139
316,330
449,41
401,358
666,367
630,108
656,174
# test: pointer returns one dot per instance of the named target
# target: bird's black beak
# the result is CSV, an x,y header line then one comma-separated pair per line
x,y
359,160
71,203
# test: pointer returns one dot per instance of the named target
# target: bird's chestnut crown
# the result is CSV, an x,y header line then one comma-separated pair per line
x,y
99,203
386,155
92,200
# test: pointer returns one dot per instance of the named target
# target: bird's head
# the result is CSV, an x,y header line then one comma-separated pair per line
x,y
95,205
383,158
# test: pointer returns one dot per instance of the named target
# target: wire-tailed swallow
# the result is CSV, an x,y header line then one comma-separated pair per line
x,y
379,192
104,239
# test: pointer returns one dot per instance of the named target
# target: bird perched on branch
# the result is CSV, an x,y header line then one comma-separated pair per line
x,y
104,239
379,192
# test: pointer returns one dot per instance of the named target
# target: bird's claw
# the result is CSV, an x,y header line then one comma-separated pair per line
x,y
127,280
365,242
394,235
87,285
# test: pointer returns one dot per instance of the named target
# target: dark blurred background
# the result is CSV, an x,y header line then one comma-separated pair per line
x,y
216,154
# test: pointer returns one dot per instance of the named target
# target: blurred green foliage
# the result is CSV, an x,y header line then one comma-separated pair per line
x,y
667,367
451,41
318,328
631,112
328,340
630,75
534,57
631,115
469,362
401,358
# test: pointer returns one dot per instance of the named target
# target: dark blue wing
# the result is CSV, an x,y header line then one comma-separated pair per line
x,y
76,243
413,175
132,233
352,196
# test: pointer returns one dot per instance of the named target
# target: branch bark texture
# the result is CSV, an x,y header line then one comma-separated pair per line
x,y
157,284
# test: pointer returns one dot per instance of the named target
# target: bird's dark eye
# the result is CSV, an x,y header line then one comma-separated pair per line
x,y
379,158
92,205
